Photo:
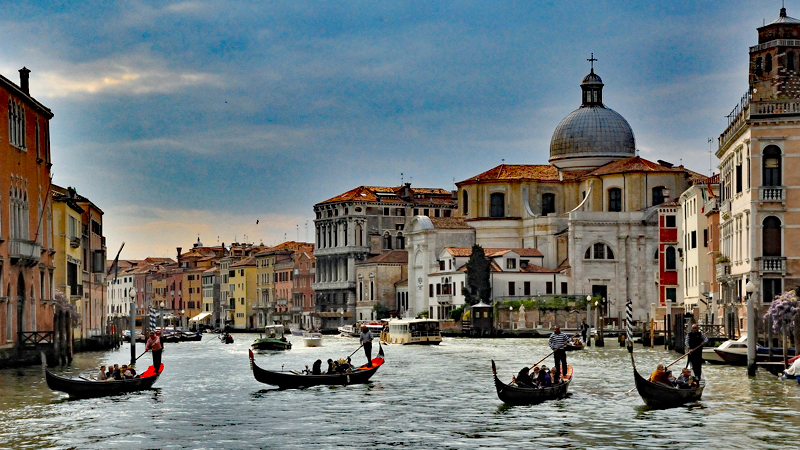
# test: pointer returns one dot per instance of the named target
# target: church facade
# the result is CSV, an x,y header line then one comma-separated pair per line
x,y
592,211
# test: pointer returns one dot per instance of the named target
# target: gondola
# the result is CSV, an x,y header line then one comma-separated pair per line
x,y
297,380
85,388
659,395
515,395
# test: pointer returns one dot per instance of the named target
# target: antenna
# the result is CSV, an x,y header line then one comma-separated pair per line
x,y
710,161
297,227
307,231
401,178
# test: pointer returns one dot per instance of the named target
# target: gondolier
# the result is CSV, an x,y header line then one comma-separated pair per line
x,y
154,344
366,342
694,342
558,343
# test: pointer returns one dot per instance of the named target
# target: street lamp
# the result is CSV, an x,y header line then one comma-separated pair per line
x,y
132,322
183,327
589,320
510,317
751,329
598,340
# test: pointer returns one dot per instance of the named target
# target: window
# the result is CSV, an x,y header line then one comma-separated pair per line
x,y
511,263
772,287
772,166
694,239
401,241
738,178
757,69
386,211
669,221
705,238
16,124
768,63
512,288
670,259
672,294
497,205
526,288
548,287
771,243
465,202
387,241
615,199
789,61
548,204
564,287
598,251
658,195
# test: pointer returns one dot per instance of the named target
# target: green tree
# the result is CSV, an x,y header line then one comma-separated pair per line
x,y
477,288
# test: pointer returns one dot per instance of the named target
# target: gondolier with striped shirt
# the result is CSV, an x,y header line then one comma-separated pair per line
x,y
366,341
558,343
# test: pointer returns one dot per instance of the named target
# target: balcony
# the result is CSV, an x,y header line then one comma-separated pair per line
x,y
76,290
723,270
24,252
74,242
296,309
771,194
260,305
725,209
773,264
444,299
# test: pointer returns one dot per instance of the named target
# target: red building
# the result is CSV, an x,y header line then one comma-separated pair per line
x,y
668,252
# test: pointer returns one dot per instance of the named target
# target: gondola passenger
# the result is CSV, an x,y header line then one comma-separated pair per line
x,y
555,376
685,380
331,366
316,369
544,380
660,376
523,378
101,376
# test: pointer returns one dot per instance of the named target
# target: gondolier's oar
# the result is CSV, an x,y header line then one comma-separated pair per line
x,y
537,363
137,358
687,354
359,348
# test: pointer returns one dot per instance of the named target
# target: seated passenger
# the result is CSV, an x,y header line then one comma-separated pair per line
x,y
544,380
101,376
331,366
523,378
660,376
671,377
686,380
117,375
316,369
129,372
554,376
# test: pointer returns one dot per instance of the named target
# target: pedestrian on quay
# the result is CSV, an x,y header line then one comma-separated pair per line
x,y
154,344
584,331
694,342
366,341
558,343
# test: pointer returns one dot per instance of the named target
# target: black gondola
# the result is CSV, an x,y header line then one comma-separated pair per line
x,y
85,388
515,395
296,380
659,395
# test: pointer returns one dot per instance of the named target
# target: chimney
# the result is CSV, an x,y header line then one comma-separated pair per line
x,y
24,75
179,254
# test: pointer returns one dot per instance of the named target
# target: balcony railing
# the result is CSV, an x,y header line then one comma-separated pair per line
x,y
723,269
771,193
24,252
444,299
725,209
34,338
773,264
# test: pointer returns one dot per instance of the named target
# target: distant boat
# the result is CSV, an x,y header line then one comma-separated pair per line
x,y
274,339
86,388
520,395
412,332
312,339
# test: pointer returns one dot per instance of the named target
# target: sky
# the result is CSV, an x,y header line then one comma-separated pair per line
x,y
228,120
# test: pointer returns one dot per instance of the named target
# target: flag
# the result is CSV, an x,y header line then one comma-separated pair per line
x,y
629,324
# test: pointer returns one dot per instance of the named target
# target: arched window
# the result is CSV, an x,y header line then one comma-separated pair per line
x,y
615,199
387,241
598,250
658,195
771,237
789,60
757,68
401,241
497,205
772,166
465,202
768,63
670,259
548,204
359,236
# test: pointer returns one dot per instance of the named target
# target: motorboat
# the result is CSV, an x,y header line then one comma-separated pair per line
x,y
412,332
312,339
730,352
348,330
272,340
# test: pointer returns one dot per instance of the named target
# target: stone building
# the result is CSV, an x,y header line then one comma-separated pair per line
x,y
358,224
591,211
757,154
375,286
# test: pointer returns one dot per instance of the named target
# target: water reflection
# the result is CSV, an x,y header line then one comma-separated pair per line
x,y
437,397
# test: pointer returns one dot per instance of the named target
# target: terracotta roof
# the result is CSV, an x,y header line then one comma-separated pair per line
x,y
533,268
493,252
673,202
390,257
371,194
636,164
249,261
449,223
541,172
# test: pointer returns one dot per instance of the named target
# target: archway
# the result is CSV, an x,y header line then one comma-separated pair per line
x,y
20,304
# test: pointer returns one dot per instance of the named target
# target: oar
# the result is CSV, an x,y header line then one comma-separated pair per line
x,y
137,358
537,363
682,356
359,348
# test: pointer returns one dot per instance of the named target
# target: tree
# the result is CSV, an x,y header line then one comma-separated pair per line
x,y
478,288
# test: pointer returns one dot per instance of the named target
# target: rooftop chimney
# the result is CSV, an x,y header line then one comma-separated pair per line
x,y
179,253
24,75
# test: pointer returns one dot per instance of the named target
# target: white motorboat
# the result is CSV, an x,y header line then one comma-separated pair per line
x,y
312,339
729,352
412,331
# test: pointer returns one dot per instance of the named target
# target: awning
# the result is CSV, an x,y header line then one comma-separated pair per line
x,y
200,316
333,314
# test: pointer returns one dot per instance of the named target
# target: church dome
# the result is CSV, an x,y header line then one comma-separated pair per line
x,y
592,135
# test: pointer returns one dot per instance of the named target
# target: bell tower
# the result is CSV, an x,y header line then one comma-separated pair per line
x,y
775,61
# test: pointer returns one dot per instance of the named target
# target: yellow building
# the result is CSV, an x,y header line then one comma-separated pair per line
x,y
242,288
68,276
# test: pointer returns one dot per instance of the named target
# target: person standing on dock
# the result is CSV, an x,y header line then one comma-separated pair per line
x,y
154,344
558,343
584,331
366,341
694,342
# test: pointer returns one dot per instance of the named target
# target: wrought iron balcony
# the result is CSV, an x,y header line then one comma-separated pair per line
x,y
24,252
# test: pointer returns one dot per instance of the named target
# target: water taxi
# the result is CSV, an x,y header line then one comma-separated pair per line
x,y
412,332
274,339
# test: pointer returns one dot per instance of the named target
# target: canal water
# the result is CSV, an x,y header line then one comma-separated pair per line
x,y
423,397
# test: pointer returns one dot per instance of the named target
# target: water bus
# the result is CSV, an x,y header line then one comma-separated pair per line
x,y
412,332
